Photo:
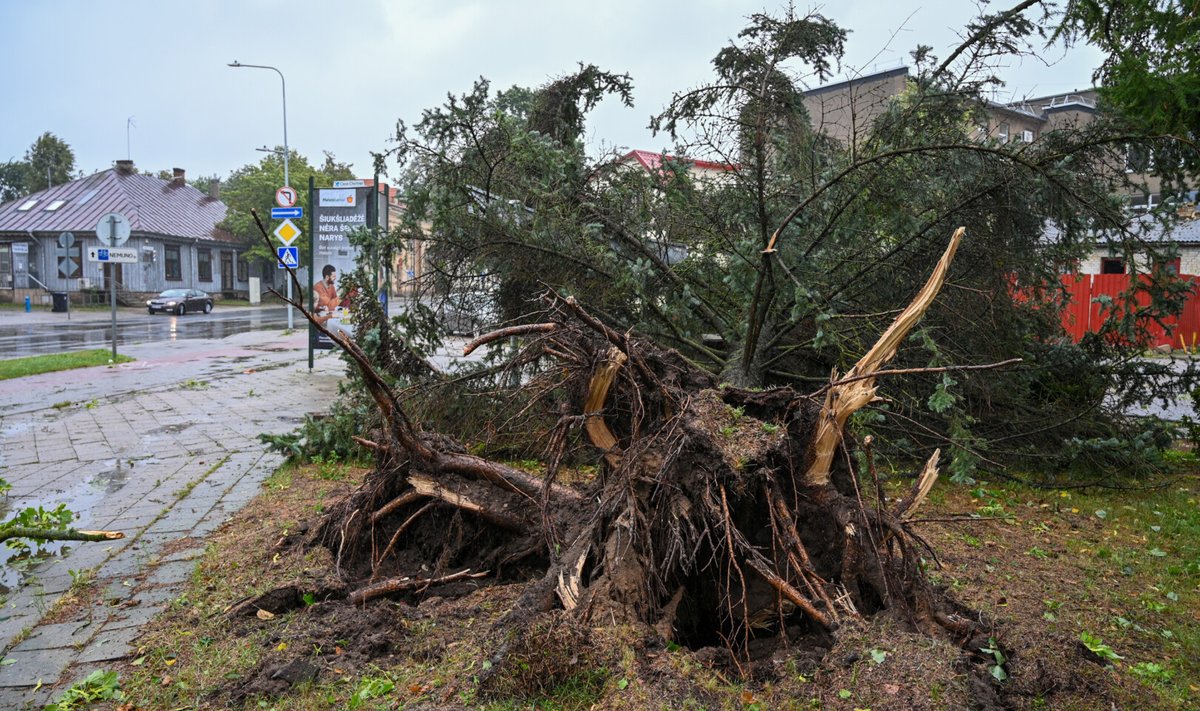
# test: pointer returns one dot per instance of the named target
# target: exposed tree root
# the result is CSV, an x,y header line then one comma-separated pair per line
x,y
719,515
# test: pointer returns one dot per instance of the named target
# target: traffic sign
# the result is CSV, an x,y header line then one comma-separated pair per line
x,y
67,267
112,254
285,196
66,239
281,213
289,257
287,232
113,229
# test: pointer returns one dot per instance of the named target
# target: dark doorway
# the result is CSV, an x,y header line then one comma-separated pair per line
x,y
110,274
226,271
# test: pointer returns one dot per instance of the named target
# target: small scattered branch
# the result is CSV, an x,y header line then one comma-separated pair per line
x,y
49,534
395,585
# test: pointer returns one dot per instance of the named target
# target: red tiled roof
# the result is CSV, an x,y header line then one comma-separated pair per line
x,y
653,161
152,205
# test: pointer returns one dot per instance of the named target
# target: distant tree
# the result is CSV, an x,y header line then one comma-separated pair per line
x,y
12,180
49,158
48,161
253,186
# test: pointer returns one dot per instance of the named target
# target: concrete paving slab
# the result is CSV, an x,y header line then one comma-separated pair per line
x,y
110,644
55,636
28,669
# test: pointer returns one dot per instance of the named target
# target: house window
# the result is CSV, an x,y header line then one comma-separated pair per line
x,y
70,261
204,264
1002,132
6,272
1027,136
1170,266
1112,265
172,265
243,268
1138,159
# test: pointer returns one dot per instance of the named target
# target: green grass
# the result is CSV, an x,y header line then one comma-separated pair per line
x,y
1154,547
33,365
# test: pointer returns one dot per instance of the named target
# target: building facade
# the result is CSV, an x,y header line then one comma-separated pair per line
x,y
174,230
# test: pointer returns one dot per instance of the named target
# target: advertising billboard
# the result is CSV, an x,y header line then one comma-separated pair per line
x,y
336,213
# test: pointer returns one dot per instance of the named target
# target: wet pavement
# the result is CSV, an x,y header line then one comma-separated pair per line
x,y
163,449
41,331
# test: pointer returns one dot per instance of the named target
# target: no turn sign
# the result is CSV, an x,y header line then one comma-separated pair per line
x,y
285,196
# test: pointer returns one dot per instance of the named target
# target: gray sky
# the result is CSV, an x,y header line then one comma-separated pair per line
x,y
80,68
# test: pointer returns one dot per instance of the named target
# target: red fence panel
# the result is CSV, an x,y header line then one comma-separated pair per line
x,y
1081,314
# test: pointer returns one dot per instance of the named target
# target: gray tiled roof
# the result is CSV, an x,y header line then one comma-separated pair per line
x,y
1180,231
153,206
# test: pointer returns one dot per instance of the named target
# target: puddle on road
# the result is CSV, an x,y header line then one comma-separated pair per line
x,y
16,564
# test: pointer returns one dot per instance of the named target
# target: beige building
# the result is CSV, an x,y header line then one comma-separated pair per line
x,y
847,109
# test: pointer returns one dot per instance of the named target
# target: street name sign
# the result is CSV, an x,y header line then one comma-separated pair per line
x,y
286,196
287,232
113,229
120,255
283,213
349,183
289,257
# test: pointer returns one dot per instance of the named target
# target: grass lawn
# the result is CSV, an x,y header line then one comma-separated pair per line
x,y
1094,597
33,365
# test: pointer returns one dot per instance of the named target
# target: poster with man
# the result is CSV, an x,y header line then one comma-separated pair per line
x,y
337,212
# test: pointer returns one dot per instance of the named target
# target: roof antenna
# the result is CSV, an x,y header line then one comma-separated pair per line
x,y
128,123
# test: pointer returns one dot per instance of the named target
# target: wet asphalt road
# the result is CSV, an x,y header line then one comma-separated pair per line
x,y
91,330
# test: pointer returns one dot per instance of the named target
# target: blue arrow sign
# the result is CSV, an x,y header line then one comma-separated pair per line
x,y
286,213
289,257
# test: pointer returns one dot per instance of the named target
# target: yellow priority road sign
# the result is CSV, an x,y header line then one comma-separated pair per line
x,y
287,232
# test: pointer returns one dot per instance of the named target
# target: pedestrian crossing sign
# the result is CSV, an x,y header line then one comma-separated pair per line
x,y
289,257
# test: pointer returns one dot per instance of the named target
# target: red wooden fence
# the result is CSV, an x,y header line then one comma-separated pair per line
x,y
1081,314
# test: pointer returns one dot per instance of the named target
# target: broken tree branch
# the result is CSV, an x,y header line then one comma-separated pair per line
x,y
508,332
848,395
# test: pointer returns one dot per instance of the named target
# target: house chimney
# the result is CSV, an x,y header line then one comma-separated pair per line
x,y
124,167
214,189
179,177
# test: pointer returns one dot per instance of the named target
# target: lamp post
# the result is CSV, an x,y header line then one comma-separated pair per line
x,y
283,84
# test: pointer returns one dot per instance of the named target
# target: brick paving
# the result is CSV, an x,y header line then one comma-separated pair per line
x,y
163,449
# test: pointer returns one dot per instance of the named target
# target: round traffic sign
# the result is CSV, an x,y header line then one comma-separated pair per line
x,y
285,196
113,229
66,239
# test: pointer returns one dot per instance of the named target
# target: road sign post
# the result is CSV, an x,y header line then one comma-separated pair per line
x,y
113,229
66,240
286,197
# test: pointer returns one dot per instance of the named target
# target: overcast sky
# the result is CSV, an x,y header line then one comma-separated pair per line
x,y
81,68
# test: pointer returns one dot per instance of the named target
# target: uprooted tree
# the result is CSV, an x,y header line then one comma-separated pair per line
x,y
718,516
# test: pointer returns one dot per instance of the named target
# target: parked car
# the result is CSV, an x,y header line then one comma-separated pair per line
x,y
180,301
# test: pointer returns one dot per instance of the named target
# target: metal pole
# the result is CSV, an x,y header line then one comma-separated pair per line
x,y
286,177
312,222
112,283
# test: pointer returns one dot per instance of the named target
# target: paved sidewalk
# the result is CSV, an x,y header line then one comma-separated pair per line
x,y
163,449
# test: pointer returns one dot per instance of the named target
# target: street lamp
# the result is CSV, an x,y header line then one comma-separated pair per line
x,y
283,84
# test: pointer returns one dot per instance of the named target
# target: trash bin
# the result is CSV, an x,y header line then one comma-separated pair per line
x,y
60,301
